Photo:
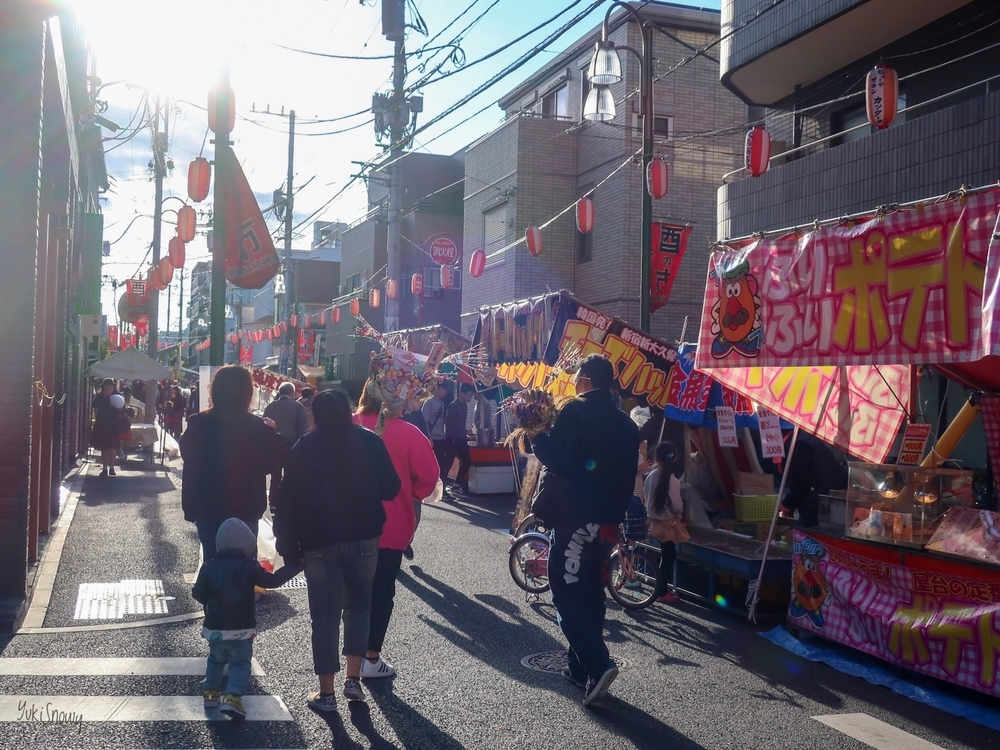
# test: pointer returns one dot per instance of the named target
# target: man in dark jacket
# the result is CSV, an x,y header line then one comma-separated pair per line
x,y
592,446
225,587
290,418
457,437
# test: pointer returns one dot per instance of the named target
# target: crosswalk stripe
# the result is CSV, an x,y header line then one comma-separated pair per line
x,y
172,666
79,709
875,733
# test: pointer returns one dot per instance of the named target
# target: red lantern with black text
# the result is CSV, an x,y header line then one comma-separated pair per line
x,y
533,235
165,272
214,99
758,151
657,178
355,307
447,277
374,297
186,223
881,96
477,264
175,251
585,215
417,285
336,315
199,179
392,288
294,320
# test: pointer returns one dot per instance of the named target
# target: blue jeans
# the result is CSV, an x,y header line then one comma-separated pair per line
x,y
339,581
208,529
237,655
579,567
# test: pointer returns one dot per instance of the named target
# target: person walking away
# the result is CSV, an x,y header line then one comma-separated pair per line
x,y
194,405
306,400
415,464
458,440
228,454
331,513
434,410
225,586
288,414
175,411
103,436
662,497
592,446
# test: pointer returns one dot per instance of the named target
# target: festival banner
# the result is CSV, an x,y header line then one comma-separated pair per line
x,y
931,616
694,397
989,409
905,287
669,241
858,409
307,343
251,260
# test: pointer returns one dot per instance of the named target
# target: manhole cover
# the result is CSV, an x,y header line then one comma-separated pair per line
x,y
299,582
554,661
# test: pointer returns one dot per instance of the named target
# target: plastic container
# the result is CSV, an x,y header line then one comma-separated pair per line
x,y
755,508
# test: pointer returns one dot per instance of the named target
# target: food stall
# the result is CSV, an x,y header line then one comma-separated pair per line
x,y
829,327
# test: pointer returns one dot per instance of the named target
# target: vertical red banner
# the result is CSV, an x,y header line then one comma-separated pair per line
x,y
668,243
251,260
113,338
307,344
246,354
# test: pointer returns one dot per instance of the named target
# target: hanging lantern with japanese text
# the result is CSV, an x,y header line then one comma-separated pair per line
x,y
881,96
447,277
392,288
657,178
374,297
417,285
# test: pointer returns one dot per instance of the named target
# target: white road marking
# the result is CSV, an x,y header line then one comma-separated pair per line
x,y
875,733
75,709
141,667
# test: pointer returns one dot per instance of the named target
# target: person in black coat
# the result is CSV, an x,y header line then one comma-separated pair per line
x,y
225,586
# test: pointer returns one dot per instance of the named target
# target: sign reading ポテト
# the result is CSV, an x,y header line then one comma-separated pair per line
x,y
901,288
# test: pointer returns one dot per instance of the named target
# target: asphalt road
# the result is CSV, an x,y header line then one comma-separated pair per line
x,y
694,677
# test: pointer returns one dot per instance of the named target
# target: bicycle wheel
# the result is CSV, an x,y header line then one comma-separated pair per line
x,y
529,563
530,523
633,577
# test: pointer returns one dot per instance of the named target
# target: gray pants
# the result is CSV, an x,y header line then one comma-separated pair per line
x,y
339,579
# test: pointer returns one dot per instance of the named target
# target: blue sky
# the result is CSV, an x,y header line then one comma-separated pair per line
x,y
144,48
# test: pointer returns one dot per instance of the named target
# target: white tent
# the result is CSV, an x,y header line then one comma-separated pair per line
x,y
130,364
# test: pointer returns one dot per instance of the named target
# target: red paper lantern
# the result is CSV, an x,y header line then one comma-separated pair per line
x,y
199,179
321,318
307,321
758,150
142,326
417,285
374,297
186,223
534,237
881,96
295,320
657,178
392,288
165,272
584,215
477,264
276,331
214,99
175,251
239,334
447,277
284,326
355,307
270,334
336,315
153,280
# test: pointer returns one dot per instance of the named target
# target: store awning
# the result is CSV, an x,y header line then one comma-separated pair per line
x,y
308,371
983,375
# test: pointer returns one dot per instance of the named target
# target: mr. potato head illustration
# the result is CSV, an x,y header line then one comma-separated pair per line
x,y
736,316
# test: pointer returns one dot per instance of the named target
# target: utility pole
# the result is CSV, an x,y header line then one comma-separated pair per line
x,y
159,171
220,227
293,334
180,322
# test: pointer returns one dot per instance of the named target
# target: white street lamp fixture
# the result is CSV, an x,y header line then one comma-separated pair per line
x,y
605,65
600,104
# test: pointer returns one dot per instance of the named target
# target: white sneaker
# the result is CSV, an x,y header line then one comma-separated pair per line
x,y
381,668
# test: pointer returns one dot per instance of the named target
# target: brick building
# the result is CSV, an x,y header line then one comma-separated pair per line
x,y
51,171
545,156
801,66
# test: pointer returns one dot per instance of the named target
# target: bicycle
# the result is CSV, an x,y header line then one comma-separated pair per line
x,y
634,568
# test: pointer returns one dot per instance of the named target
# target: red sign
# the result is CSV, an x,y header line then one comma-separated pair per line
x,y
251,260
246,354
914,442
307,344
668,241
112,337
443,250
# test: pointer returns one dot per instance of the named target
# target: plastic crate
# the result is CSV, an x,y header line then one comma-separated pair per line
x,y
491,480
755,508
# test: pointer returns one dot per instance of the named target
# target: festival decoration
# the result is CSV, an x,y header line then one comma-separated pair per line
x,y
881,96
417,285
355,307
336,315
284,326
585,215
199,179
758,151
392,288
657,178
374,297
294,320
321,319
187,223
477,264
165,272
364,330
447,277
175,251
533,236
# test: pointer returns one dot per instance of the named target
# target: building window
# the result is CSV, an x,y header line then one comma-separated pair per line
x,y
432,281
494,232
663,126
584,242
555,104
336,368
351,283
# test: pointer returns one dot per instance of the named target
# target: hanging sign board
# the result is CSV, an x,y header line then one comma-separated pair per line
x,y
772,446
914,443
726,420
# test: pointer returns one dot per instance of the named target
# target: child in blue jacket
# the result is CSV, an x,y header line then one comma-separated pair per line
x,y
225,587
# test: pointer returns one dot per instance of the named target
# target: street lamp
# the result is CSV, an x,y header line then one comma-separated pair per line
x,y
606,69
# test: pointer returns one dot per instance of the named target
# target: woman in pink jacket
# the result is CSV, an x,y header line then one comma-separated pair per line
x,y
414,461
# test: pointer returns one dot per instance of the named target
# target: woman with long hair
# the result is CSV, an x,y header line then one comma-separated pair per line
x,y
662,495
228,453
102,435
330,514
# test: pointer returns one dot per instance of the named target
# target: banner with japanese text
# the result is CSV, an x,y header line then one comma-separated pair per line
x,y
858,409
306,344
251,260
668,241
904,287
935,617
113,338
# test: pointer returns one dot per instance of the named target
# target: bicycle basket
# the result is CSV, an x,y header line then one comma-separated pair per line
x,y
636,523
